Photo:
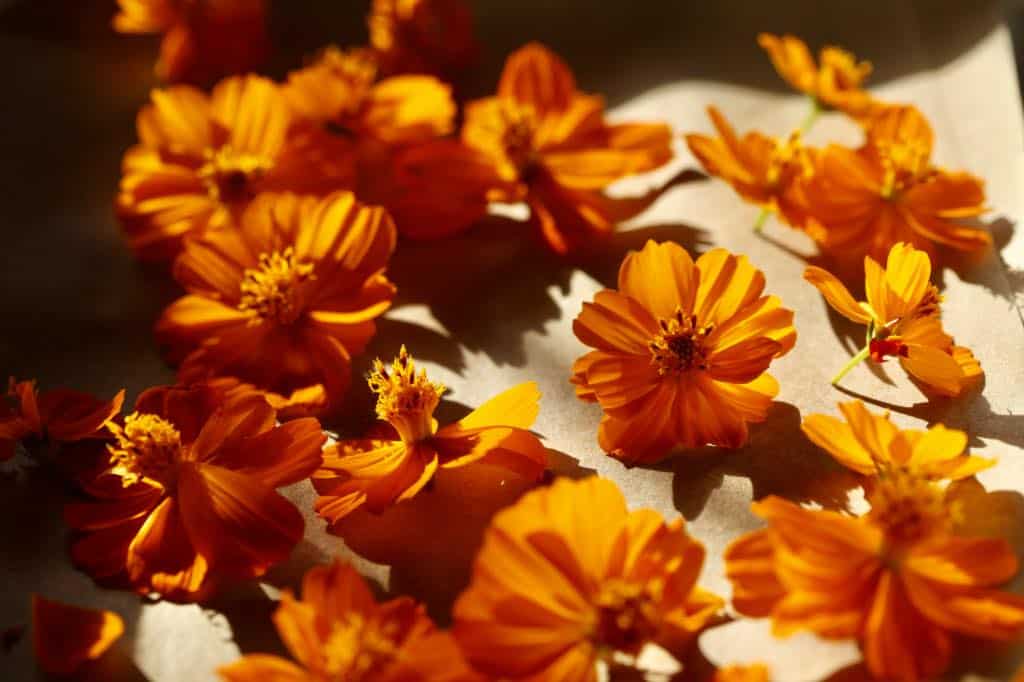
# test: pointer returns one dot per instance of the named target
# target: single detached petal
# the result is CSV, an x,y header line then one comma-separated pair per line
x,y
64,637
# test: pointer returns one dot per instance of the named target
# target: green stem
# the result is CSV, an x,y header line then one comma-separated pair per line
x,y
811,117
861,355
759,223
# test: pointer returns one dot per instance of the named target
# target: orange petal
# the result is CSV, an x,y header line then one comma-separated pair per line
x,y
72,415
837,295
409,109
278,457
616,322
245,416
661,277
837,439
535,75
262,668
517,407
727,284
64,637
750,567
791,59
254,112
162,557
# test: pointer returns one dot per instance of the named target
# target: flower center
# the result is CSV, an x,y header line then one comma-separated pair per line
x,y
353,74
147,447
680,345
627,616
230,176
273,290
519,123
404,399
904,162
357,648
887,346
786,159
908,507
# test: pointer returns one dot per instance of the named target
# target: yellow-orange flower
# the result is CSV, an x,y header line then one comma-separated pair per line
x,y
203,39
896,579
867,200
284,301
552,142
568,576
872,445
903,318
188,496
201,159
742,673
763,170
61,414
835,81
341,89
64,637
682,350
337,631
379,471
422,36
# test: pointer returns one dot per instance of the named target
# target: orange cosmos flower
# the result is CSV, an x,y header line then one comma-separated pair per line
x,y
64,636
61,414
422,36
902,314
188,498
681,351
867,200
337,631
377,472
871,444
568,576
202,159
341,89
896,579
552,142
742,673
284,301
762,170
834,82
203,39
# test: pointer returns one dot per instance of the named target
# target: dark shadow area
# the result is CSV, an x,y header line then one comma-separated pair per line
x,y
778,460
242,613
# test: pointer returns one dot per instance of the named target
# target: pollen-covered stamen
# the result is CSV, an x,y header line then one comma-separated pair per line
x,y
147,447
519,123
904,162
627,615
230,175
787,159
405,399
357,648
909,507
273,290
680,345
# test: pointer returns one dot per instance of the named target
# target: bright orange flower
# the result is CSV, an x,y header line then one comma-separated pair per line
x,y
763,170
284,301
202,159
341,89
64,636
188,497
61,414
903,318
423,36
896,579
203,39
871,444
337,631
867,200
567,577
552,142
742,673
834,82
681,352
377,472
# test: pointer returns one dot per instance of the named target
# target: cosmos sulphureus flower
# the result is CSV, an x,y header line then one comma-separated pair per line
x,y
64,637
284,301
187,498
680,352
423,36
902,315
394,464
337,631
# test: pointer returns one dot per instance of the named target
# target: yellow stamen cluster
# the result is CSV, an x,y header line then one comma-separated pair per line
x,y
519,125
148,447
627,615
404,399
273,291
357,648
905,162
229,175
787,159
355,69
909,507
680,345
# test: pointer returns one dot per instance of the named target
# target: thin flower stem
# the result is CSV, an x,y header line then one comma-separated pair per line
x,y
759,223
811,117
861,355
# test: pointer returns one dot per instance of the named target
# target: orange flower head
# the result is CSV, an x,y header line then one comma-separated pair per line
x,y
867,200
552,144
64,637
835,81
902,314
337,631
592,581
768,172
681,352
285,301
423,36
61,415
203,39
896,579
188,498
380,471
872,445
